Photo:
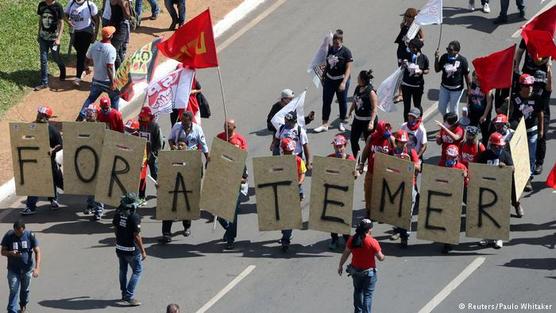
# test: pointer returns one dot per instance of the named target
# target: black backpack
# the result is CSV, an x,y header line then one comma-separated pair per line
x,y
204,107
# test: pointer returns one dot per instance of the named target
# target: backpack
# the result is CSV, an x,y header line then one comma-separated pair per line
x,y
204,107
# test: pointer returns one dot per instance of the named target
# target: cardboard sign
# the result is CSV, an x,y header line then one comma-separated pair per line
x,y
120,167
223,179
278,205
31,162
179,185
440,204
82,151
392,192
519,148
489,198
331,195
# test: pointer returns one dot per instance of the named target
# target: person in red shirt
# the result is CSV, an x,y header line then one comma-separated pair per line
x,y
288,147
450,133
402,151
470,147
110,116
380,141
362,269
233,137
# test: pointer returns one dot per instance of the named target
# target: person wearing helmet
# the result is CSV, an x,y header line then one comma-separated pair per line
x,y
402,151
150,130
526,106
498,155
416,131
364,104
451,133
295,132
288,148
340,151
479,107
110,116
470,147
286,96
381,141
44,113
500,125
129,246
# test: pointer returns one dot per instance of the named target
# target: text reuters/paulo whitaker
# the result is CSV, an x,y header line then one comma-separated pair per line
x,y
510,306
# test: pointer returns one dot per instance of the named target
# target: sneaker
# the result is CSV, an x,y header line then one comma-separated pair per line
x,y
528,186
54,205
27,211
519,211
40,87
500,20
165,239
133,302
229,246
88,210
486,8
403,243
498,244
98,217
484,243
522,13
333,245
321,129
142,202
342,127
395,236
153,17
77,82
172,26
186,232
538,169
471,6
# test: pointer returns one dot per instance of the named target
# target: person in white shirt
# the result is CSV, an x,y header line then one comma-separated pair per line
x,y
416,131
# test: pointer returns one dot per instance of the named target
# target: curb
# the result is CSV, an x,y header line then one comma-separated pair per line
x,y
127,108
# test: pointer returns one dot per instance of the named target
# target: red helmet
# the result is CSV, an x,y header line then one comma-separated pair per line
x,y
45,110
104,102
496,139
500,118
339,140
287,144
145,113
132,125
526,79
452,150
401,136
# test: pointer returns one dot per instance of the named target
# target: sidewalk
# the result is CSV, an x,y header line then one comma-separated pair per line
x,y
67,100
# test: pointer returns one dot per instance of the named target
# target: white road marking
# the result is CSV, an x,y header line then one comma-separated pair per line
x,y
226,289
546,7
452,285
430,110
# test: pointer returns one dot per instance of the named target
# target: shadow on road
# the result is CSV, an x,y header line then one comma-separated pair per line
x,y
548,264
80,303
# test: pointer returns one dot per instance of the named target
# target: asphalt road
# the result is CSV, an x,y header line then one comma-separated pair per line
x,y
79,270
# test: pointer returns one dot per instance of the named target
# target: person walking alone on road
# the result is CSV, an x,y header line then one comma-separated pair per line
x,y
18,245
363,265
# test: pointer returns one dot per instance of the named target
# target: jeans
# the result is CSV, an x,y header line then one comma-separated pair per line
x,y
230,227
97,88
167,226
179,16
448,100
120,39
44,47
532,143
81,43
505,4
286,236
18,282
363,288
329,89
32,200
358,128
134,261
155,10
408,93
97,207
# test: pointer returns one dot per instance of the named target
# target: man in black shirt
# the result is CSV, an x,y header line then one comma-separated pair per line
x,y
150,130
129,246
44,113
286,96
51,27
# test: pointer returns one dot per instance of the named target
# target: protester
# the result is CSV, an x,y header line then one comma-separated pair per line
x,y
103,56
178,18
18,245
235,138
479,107
455,70
44,113
173,308
504,5
132,128
402,151
288,148
286,97
340,146
110,116
150,130
500,124
415,64
451,133
336,80
484,3
51,28
190,133
129,246
295,132
365,106
119,19
525,104
106,13
470,147
362,269
155,10
416,131
83,17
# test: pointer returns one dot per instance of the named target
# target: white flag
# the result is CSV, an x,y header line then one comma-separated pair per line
x,y
296,105
318,63
388,89
412,32
431,13
171,91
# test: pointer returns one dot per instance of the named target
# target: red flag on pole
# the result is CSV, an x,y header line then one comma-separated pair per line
x,y
495,70
193,43
539,43
545,21
551,179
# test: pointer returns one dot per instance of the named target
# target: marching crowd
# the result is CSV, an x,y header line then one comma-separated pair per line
x,y
479,131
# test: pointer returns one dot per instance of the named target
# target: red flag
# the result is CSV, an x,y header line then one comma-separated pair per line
x,y
551,179
193,43
539,43
495,70
545,21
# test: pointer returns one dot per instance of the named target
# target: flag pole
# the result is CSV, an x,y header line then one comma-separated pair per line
x,y
511,86
223,98
439,37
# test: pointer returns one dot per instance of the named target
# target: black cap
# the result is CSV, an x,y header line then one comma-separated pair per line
x,y
19,224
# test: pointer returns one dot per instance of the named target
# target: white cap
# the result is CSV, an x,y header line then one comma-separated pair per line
x,y
286,93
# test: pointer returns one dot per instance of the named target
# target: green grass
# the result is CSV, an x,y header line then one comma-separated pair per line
x,y
19,55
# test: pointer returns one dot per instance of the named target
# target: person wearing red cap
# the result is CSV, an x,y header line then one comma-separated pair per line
x,y
340,151
402,151
500,124
150,130
380,141
288,148
44,113
451,133
103,56
110,116
525,105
